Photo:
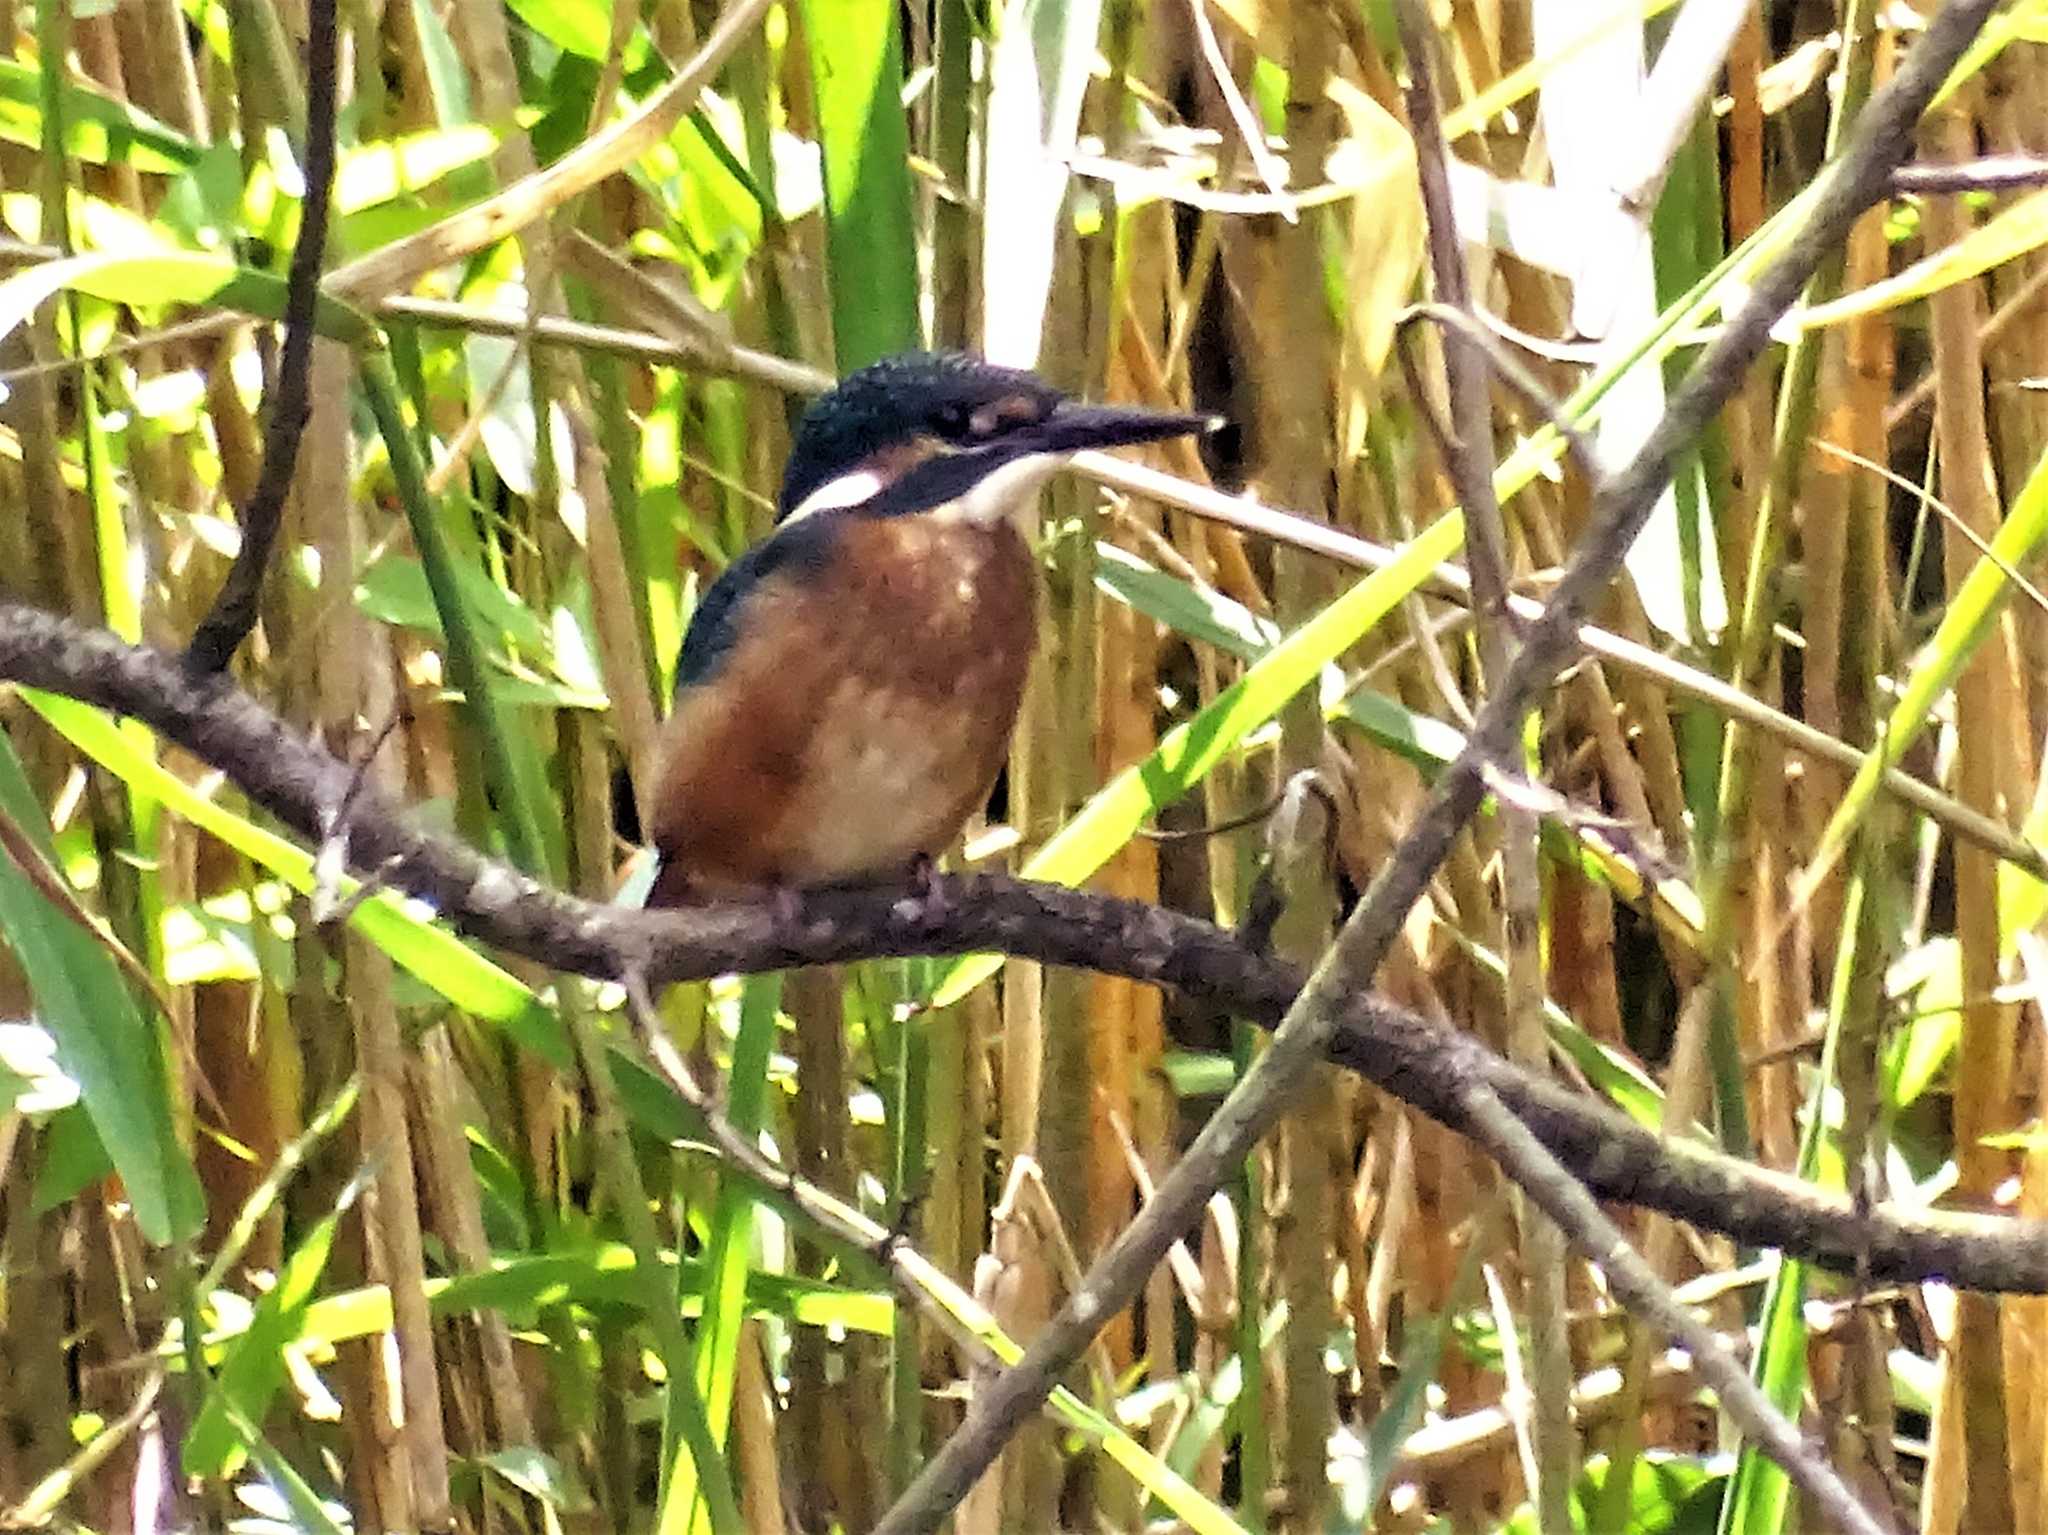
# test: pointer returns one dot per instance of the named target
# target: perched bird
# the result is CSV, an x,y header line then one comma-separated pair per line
x,y
848,687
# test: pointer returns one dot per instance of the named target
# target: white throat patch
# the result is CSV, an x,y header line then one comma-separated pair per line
x,y
849,489
1004,494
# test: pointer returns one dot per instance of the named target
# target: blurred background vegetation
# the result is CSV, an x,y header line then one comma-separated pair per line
x,y
310,1226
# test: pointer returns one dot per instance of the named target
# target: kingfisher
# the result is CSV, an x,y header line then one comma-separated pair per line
x,y
847,688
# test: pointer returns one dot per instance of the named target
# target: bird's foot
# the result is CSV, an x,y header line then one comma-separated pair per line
x,y
928,884
785,905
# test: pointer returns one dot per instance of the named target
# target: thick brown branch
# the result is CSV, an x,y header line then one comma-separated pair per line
x,y
295,780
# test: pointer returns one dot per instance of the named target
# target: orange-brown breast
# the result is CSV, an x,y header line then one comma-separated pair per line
x,y
861,716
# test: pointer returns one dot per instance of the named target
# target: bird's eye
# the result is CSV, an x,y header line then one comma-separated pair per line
x,y
952,421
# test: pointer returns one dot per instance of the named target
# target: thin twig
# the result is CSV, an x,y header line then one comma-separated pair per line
x,y
1213,828
233,614
703,354
1518,378
1993,173
1565,1199
1947,514
1468,453
1250,130
329,907
1288,864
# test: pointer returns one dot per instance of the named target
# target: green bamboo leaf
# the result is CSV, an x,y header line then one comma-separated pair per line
x,y
2023,21
522,1286
1200,613
1663,1497
581,27
1427,743
1758,1497
253,1366
104,1042
171,277
71,1155
1153,1476
1964,625
717,220
202,209
97,128
96,224
395,590
446,74
289,1499
438,958
729,1260
1927,983
2008,235
511,757
375,173
857,63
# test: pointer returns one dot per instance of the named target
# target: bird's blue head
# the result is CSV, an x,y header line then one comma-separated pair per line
x,y
922,429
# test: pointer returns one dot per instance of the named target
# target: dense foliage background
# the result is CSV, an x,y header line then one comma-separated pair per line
x,y
318,1224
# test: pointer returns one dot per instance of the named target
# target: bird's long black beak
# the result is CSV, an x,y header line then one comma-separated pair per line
x,y
1073,427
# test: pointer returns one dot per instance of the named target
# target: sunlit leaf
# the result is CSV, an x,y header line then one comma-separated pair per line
x,y
856,62
103,1041
97,128
1038,71
2006,236
375,173
1965,623
169,277
253,1367
582,27
437,957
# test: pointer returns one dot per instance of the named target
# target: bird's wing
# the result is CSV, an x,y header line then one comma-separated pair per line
x,y
791,553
